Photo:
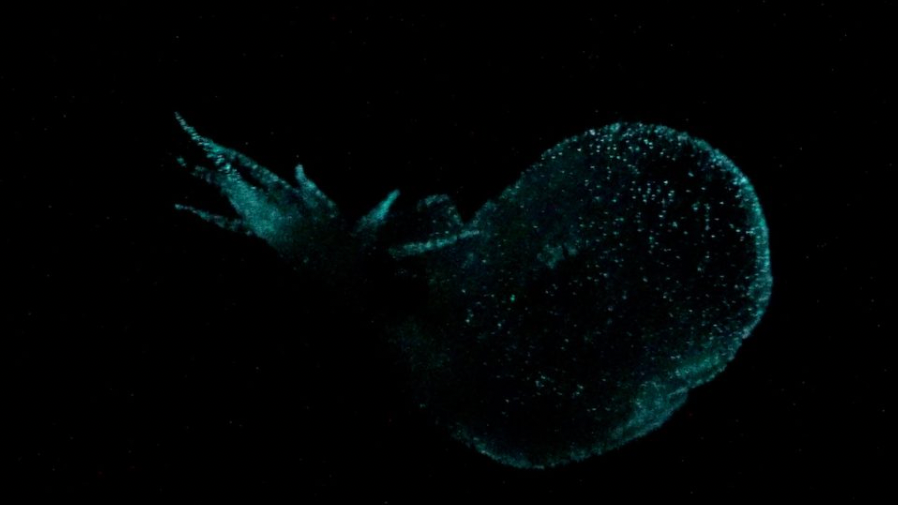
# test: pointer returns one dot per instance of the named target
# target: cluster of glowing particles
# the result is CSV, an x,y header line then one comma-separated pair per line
x,y
570,315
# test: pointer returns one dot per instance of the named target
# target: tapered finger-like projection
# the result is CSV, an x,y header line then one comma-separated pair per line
x,y
570,315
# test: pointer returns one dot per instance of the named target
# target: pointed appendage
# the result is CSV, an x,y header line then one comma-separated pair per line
x,y
374,220
225,223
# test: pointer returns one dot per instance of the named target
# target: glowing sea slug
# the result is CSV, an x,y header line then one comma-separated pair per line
x,y
570,315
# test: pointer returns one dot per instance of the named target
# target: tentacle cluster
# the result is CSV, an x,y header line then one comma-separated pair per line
x,y
294,219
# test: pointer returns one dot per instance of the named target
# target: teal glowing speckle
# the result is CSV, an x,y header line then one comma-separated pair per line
x,y
570,315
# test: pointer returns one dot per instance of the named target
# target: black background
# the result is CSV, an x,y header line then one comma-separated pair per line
x,y
149,354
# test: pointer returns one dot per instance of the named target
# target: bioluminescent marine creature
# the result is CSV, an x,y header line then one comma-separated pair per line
x,y
571,314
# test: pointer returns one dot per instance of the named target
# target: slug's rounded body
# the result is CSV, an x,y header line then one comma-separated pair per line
x,y
620,271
